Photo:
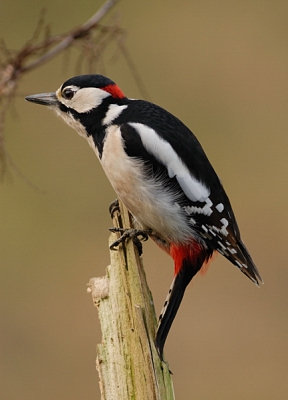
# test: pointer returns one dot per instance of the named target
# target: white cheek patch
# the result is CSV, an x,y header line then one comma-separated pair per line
x,y
164,153
84,100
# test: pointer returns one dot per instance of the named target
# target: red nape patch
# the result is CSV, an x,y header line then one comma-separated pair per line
x,y
193,251
115,91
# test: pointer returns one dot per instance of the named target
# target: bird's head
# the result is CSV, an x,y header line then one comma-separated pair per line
x,y
80,96
82,93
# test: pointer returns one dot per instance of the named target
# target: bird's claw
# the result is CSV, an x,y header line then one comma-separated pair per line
x,y
134,234
114,206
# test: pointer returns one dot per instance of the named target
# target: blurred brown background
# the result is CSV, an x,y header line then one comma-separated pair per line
x,y
221,67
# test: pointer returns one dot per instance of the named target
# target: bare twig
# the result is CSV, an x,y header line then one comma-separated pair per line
x,y
74,34
14,64
91,39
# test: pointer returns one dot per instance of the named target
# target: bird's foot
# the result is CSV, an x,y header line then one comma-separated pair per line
x,y
135,235
114,206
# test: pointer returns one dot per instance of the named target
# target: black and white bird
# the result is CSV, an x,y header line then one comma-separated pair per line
x,y
159,170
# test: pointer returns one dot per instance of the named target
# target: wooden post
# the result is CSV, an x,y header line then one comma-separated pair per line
x,y
127,360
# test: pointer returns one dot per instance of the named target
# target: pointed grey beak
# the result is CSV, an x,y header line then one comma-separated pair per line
x,y
46,99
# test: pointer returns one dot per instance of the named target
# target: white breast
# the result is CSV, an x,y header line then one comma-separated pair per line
x,y
152,205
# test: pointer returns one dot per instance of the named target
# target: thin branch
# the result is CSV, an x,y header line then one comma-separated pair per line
x,y
14,64
36,52
72,35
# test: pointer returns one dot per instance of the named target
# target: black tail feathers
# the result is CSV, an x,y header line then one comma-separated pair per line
x,y
173,301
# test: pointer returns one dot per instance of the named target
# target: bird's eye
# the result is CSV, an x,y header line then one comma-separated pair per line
x,y
68,94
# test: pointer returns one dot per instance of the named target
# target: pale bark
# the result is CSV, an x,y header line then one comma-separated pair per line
x,y
127,360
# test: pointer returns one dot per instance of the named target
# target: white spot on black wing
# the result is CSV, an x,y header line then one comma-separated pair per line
x,y
220,207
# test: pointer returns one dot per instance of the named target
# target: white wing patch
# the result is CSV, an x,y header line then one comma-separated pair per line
x,y
164,153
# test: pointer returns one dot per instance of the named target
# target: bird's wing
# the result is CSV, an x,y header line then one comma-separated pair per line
x,y
175,158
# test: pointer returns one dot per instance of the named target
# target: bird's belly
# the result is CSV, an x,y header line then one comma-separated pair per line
x,y
151,204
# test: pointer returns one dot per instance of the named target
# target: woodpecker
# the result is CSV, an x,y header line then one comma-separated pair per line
x,y
160,172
